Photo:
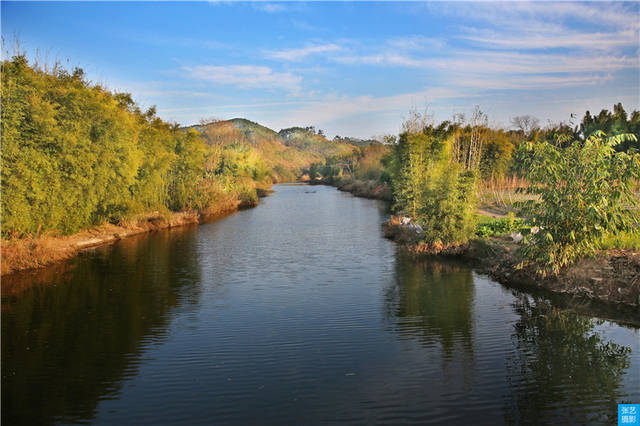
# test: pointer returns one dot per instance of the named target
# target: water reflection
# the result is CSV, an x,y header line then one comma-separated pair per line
x,y
550,365
297,312
83,333
432,301
563,369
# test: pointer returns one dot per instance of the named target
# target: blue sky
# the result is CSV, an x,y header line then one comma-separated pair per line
x,y
349,68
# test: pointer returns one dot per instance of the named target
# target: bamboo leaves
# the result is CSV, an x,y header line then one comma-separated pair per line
x,y
583,193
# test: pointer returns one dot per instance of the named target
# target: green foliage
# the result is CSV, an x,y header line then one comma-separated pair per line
x,y
368,165
431,185
67,153
186,173
621,240
307,140
583,192
75,155
313,171
497,154
491,226
276,156
613,123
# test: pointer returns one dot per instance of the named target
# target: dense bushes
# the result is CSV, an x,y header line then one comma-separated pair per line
x,y
433,184
584,194
75,155
67,153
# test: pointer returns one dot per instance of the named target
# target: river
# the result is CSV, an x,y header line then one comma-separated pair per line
x,y
298,312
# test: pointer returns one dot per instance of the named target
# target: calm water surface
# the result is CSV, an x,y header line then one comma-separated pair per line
x,y
298,312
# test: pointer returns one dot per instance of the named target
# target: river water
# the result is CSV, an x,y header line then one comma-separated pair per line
x,y
298,312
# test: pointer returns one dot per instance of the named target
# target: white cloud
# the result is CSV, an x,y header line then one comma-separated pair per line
x,y
533,81
246,76
615,15
269,7
416,42
539,15
564,39
301,53
523,63
474,62
331,109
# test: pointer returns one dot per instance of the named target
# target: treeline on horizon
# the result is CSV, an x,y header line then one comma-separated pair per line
x,y
498,147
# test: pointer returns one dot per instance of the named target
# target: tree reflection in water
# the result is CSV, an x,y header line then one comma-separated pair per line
x,y
562,369
432,301
86,330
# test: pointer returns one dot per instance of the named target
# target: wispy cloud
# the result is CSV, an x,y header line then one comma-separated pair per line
x,y
269,7
522,45
522,15
245,76
301,53
612,14
416,42
564,39
343,107
533,81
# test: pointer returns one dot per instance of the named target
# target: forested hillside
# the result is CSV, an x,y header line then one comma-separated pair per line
x,y
283,156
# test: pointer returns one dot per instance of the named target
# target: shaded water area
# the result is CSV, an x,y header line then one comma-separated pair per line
x,y
298,311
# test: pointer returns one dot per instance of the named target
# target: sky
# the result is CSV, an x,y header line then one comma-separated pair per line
x,y
348,68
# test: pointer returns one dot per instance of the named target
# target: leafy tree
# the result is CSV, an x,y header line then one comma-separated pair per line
x,y
613,123
583,192
433,185
526,125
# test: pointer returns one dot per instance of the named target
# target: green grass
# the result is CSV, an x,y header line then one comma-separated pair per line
x,y
621,240
488,226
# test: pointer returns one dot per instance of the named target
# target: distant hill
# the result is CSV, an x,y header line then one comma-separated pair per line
x,y
356,141
305,138
288,152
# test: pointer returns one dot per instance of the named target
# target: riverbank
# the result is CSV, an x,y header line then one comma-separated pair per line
x,y
359,187
612,277
48,249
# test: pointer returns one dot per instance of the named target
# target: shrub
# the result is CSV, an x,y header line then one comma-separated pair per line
x,y
585,192
430,184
